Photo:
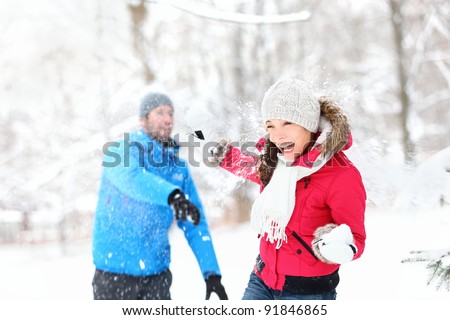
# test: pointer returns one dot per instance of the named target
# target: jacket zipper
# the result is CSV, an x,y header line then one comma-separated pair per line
x,y
306,181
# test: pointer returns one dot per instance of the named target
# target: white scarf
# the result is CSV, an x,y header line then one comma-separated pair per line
x,y
274,206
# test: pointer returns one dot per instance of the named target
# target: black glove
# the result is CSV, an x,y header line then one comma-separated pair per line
x,y
183,208
213,284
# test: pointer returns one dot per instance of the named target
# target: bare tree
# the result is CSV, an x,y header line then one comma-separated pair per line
x,y
402,77
139,14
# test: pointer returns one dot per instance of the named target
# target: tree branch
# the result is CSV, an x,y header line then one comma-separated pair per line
x,y
240,18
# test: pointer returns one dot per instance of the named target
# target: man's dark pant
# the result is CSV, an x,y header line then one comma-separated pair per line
x,y
114,286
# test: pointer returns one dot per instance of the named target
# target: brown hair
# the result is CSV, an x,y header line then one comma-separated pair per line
x,y
267,162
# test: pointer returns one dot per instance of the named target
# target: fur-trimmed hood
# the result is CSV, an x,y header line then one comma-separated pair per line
x,y
338,135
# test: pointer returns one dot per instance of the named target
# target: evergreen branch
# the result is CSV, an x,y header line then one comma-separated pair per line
x,y
439,270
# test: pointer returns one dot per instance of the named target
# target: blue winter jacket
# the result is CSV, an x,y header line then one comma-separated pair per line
x,y
132,219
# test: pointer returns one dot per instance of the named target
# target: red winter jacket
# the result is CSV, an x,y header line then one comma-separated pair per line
x,y
334,194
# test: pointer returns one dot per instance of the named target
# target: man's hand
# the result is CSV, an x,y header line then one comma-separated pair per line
x,y
213,284
182,208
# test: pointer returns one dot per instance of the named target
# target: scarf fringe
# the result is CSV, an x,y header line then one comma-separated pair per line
x,y
272,230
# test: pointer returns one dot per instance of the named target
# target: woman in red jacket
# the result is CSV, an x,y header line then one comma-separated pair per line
x,y
310,213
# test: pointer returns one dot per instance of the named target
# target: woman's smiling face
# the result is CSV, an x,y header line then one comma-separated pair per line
x,y
292,139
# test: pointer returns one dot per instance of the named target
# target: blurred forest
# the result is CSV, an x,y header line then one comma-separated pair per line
x,y
72,73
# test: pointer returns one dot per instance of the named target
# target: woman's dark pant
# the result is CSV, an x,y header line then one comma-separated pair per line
x,y
257,290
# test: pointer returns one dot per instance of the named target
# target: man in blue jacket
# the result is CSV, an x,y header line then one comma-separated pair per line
x,y
144,186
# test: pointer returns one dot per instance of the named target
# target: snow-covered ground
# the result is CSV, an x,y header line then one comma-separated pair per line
x,y
58,273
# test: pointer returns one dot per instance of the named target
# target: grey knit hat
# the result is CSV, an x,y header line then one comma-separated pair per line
x,y
294,101
153,100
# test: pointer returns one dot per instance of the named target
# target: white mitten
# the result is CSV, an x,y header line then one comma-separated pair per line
x,y
334,244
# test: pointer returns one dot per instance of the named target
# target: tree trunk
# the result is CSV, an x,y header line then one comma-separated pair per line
x,y
139,14
397,24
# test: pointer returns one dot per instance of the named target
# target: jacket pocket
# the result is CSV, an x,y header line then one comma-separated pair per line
x,y
259,265
301,247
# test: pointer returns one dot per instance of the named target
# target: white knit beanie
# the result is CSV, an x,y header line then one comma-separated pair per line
x,y
294,101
